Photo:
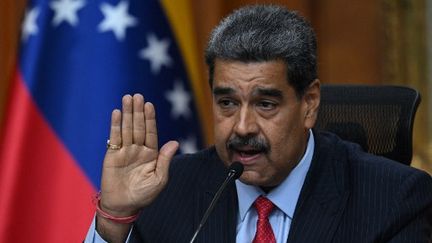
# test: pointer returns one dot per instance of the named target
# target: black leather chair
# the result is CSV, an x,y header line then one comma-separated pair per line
x,y
379,118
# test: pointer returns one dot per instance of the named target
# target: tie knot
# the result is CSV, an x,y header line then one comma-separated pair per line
x,y
263,206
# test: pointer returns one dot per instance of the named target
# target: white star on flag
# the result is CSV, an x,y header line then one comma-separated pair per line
x,y
188,146
66,10
29,26
116,19
157,53
179,100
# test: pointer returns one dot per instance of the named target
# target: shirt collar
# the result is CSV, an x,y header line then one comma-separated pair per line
x,y
284,196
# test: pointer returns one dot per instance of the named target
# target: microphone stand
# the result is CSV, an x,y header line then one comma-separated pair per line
x,y
231,174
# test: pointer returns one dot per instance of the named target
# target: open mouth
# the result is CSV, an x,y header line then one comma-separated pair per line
x,y
246,156
248,153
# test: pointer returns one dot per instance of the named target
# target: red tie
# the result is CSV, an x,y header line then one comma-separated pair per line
x,y
264,232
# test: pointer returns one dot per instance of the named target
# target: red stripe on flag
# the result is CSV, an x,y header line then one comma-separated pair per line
x,y
44,195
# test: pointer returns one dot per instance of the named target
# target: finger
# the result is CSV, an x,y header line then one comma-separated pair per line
x,y
127,126
138,120
115,131
166,154
151,139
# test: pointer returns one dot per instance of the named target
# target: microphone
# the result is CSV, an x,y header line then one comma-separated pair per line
x,y
234,172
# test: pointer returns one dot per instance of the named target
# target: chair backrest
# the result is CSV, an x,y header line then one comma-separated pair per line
x,y
379,118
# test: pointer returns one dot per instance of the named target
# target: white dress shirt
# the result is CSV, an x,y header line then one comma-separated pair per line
x,y
284,197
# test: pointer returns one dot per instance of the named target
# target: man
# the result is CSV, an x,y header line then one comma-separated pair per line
x,y
313,186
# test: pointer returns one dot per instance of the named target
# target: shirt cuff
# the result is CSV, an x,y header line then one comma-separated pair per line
x,y
94,237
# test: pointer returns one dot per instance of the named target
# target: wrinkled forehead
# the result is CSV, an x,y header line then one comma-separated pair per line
x,y
252,77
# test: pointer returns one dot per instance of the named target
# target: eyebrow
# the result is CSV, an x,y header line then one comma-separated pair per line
x,y
223,91
269,92
259,91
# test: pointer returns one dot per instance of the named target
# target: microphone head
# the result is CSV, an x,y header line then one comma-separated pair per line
x,y
236,168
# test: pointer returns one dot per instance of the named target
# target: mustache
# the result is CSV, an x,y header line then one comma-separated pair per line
x,y
256,143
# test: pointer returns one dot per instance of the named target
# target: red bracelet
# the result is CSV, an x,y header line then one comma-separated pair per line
x,y
103,214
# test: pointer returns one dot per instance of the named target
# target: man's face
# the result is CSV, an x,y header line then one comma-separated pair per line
x,y
259,120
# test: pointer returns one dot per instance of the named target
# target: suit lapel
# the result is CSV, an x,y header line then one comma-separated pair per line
x,y
323,196
221,223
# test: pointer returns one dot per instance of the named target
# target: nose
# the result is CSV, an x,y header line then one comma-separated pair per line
x,y
246,122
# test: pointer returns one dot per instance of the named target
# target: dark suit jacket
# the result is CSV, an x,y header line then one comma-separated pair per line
x,y
348,196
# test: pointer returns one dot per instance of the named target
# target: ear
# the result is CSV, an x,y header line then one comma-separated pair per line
x,y
311,99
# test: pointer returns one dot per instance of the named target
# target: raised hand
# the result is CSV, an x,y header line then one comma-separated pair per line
x,y
134,170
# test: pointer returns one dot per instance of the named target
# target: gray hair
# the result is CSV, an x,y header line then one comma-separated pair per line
x,y
264,33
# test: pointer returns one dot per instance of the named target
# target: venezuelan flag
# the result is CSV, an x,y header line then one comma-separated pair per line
x,y
77,59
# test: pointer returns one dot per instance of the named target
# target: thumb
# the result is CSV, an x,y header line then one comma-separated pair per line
x,y
166,154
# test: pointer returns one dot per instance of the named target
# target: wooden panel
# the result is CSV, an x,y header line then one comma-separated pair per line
x,y
406,60
348,40
303,6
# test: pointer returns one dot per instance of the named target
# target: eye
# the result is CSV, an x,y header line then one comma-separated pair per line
x,y
226,103
266,105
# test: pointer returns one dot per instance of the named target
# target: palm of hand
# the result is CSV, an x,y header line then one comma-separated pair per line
x,y
134,175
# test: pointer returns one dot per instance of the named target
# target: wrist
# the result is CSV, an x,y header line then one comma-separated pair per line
x,y
114,216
